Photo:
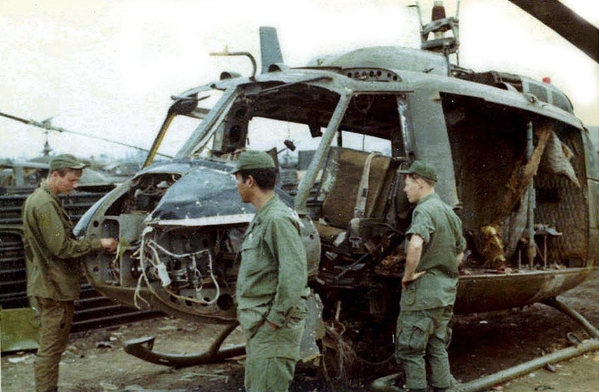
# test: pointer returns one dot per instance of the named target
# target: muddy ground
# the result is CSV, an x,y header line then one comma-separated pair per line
x,y
483,344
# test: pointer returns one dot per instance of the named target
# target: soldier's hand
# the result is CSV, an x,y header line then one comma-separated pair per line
x,y
409,279
109,244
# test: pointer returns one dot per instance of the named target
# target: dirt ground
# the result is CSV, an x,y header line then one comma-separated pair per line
x,y
482,345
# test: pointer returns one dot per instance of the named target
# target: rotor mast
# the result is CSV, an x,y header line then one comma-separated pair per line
x,y
444,30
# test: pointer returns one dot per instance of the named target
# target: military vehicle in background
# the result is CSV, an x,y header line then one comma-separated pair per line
x,y
513,160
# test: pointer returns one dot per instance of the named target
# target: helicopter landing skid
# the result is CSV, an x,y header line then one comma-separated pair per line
x,y
573,314
142,348
387,383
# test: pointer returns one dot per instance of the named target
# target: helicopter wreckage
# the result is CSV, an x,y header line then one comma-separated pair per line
x,y
514,161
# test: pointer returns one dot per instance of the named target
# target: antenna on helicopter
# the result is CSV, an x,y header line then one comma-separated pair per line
x,y
439,26
226,75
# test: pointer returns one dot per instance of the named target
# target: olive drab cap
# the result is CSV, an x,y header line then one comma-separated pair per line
x,y
64,161
250,160
421,169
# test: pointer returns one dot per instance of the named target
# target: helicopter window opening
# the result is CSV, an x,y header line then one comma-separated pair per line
x,y
364,142
184,125
371,123
265,134
358,171
177,134
373,115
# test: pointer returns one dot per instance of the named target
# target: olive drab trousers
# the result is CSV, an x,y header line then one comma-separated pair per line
x,y
56,319
425,334
271,355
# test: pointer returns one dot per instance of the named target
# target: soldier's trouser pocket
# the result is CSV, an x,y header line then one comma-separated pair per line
x,y
297,315
251,319
423,334
413,334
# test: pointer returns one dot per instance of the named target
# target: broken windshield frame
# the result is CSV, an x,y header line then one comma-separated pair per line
x,y
242,117
221,119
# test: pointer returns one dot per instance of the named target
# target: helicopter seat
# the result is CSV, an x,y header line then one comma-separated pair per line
x,y
352,183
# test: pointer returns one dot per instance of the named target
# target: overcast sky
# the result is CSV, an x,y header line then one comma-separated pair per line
x,y
109,67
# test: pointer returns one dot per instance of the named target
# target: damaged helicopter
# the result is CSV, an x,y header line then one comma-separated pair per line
x,y
515,163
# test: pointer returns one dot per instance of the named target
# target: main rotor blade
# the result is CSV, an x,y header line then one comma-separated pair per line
x,y
46,125
16,118
555,15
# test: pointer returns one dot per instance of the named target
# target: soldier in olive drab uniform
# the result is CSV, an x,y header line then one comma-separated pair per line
x,y
272,280
434,250
53,266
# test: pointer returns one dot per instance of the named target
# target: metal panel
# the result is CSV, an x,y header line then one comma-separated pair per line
x,y
19,329
431,142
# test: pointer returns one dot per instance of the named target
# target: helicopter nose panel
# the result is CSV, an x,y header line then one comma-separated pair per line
x,y
202,194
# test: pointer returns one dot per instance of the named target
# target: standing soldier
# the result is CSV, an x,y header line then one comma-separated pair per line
x,y
435,249
272,281
53,266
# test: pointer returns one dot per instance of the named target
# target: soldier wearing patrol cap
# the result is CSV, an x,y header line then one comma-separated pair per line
x,y
272,280
434,250
53,271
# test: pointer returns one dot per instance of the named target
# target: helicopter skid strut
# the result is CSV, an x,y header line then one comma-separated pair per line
x,y
386,384
142,348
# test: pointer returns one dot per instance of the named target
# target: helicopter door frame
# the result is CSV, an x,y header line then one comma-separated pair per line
x,y
405,147
209,126
321,153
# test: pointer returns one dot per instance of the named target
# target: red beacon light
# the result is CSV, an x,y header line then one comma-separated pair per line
x,y
547,80
438,11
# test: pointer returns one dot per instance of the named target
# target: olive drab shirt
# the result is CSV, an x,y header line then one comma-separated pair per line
x,y
51,250
441,230
273,262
